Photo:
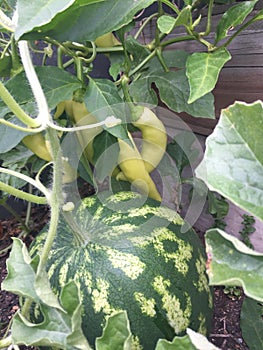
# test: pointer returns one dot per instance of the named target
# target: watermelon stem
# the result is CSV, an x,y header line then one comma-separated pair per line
x,y
79,237
56,199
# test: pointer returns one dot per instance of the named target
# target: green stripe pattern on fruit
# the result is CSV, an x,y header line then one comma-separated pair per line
x,y
133,257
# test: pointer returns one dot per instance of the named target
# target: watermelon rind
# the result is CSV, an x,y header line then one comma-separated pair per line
x,y
127,252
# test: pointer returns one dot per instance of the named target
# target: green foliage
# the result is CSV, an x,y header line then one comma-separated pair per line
x,y
182,343
116,333
103,100
232,263
22,280
202,70
218,208
233,17
251,323
248,228
59,24
233,159
233,292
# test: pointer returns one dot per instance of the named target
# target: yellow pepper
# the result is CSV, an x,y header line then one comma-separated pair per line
x,y
66,106
81,117
154,138
133,169
38,145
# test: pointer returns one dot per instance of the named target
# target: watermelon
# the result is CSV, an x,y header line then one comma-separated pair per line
x,y
127,252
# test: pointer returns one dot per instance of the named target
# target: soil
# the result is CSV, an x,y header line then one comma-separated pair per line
x,y
225,334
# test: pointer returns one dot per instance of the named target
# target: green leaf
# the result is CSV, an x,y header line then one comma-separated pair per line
x,y
142,93
43,289
37,13
84,170
17,156
5,65
13,180
119,186
233,160
116,333
178,343
116,64
15,160
259,16
58,85
202,70
191,341
106,152
232,263
233,17
166,23
251,323
174,92
172,58
86,21
10,137
103,101
182,150
141,90
59,327
21,276
138,51
217,205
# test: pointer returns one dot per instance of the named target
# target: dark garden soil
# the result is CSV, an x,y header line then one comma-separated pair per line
x,y
225,334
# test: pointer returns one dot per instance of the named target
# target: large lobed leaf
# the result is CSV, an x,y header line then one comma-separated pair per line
x,y
61,324
233,160
231,262
116,333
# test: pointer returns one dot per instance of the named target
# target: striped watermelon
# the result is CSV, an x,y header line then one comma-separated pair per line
x,y
128,253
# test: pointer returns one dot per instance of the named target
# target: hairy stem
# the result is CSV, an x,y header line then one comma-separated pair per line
x,y
26,178
56,198
43,111
21,128
21,194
